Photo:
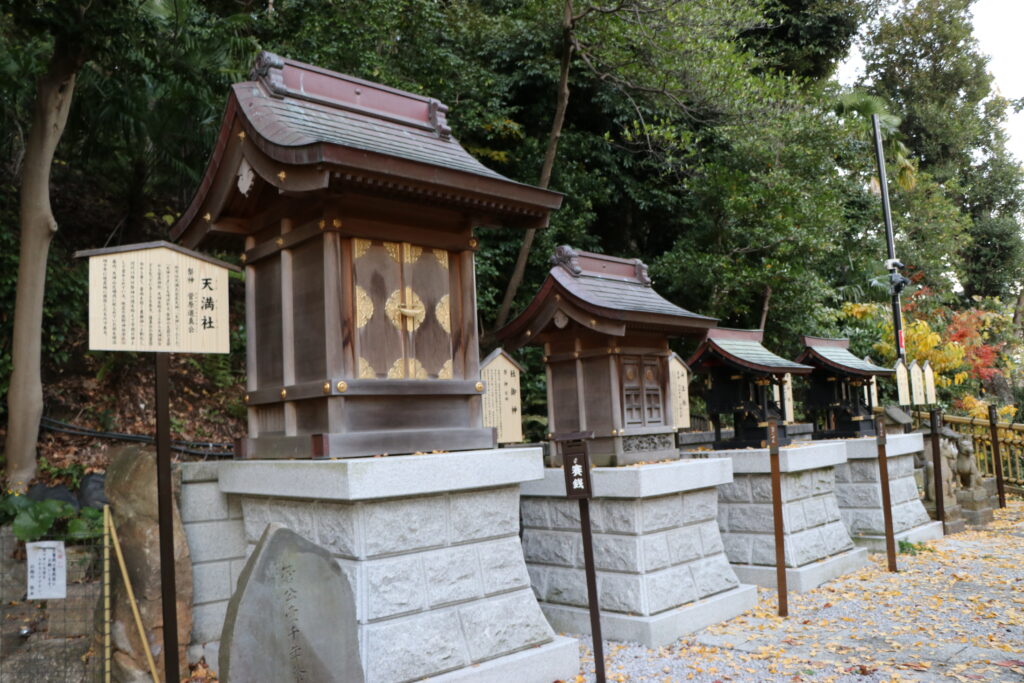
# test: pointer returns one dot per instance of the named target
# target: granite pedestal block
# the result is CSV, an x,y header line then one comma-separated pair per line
x,y
817,546
430,545
661,567
859,493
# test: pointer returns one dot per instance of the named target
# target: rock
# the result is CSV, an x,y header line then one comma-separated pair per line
x,y
91,493
131,488
292,617
59,492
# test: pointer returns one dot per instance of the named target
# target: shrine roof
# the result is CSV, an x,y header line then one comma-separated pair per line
x,y
605,293
742,349
835,354
362,133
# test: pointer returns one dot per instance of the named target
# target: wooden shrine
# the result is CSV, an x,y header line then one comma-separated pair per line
x,y
605,335
835,389
356,207
741,372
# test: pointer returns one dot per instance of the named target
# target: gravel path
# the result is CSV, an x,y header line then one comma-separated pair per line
x,y
955,611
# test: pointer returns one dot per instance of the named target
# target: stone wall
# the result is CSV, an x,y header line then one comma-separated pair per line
x,y
811,518
213,527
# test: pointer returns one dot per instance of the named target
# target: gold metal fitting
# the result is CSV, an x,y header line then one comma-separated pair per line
x,y
341,387
473,243
592,322
241,135
479,386
243,258
529,332
615,432
207,217
246,398
575,354
284,393
323,224
618,349
282,175
622,432
336,222
279,241
558,297
327,387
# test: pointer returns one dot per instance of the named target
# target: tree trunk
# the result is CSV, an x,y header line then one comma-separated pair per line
x,y
561,103
25,395
1018,311
766,298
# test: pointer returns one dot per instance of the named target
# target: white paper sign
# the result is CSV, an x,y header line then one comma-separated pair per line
x,y
47,570
157,299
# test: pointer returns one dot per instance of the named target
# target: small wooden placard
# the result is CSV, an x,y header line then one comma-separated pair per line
x,y
679,391
902,383
576,467
502,401
880,431
916,384
929,384
159,297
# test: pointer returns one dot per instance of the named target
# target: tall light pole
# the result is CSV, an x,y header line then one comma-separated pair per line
x,y
896,279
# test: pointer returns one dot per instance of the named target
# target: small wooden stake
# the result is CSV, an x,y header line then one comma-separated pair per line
x,y
883,473
940,508
780,536
997,459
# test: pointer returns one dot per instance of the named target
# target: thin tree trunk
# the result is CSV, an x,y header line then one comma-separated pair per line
x,y
25,395
765,300
1018,311
561,103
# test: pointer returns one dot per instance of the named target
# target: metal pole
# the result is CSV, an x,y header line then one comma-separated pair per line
x,y
997,457
595,611
897,316
940,508
165,510
780,537
107,654
883,473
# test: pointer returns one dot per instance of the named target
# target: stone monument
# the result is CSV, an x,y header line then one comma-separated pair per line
x,y
292,617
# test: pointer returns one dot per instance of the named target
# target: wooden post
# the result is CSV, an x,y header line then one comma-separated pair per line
x,y
940,508
576,466
883,473
165,509
997,457
780,536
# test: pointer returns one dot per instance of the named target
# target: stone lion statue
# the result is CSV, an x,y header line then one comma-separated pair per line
x,y
966,463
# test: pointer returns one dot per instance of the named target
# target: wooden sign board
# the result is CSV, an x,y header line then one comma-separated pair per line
x,y
916,384
576,466
871,388
929,384
902,383
784,397
502,401
679,391
158,297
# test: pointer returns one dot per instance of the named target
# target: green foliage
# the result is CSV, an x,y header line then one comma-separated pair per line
x,y
71,473
908,548
49,519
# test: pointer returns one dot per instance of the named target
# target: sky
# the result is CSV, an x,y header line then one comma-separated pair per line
x,y
997,28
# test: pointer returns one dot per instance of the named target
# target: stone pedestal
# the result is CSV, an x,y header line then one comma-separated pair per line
x,y
430,544
817,545
661,569
977,505
859,493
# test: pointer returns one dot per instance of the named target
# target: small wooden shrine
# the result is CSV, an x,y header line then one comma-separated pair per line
x,y
356,207
605,334
742,373
836,388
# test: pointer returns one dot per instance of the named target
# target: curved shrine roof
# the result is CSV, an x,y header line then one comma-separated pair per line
x,y
741,349
834,354
604,293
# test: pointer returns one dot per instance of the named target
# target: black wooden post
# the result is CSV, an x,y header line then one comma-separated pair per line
x,y
896,280
940,508
165,510
997,456
576,467
883,473
780,536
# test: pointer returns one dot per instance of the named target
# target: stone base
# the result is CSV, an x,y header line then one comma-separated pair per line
x,y
558,660
876,544
660,629
978,517
809,576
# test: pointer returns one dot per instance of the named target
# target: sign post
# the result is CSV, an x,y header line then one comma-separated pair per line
x,y
162,298
883,473
780,536
997,459
576,467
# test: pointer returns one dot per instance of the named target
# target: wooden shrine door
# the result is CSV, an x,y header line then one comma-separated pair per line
x,y
402,310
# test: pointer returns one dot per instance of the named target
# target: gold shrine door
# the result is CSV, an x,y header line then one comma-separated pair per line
x,y
402,310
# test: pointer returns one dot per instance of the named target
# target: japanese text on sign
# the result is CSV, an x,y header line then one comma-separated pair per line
x,y
47,570
576,465
501,400
157,299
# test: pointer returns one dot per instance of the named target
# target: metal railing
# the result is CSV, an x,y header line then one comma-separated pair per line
x,y
1011,445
